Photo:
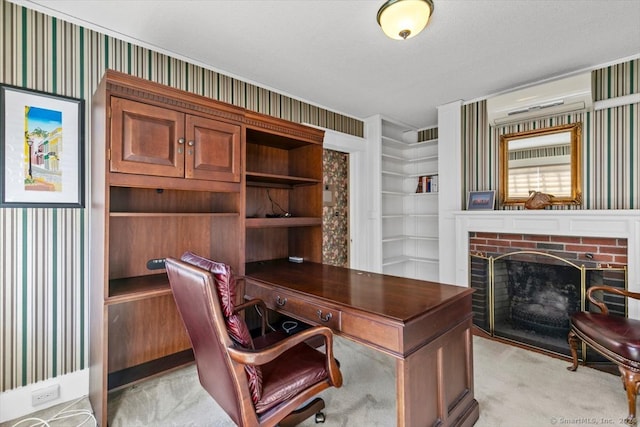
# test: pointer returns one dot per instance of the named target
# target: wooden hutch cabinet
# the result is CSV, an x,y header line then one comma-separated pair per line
x,y
173,171
151,140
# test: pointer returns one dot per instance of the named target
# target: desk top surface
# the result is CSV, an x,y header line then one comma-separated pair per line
x,y
393,297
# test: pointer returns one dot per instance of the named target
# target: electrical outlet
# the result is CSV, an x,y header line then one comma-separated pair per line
x,y
46,394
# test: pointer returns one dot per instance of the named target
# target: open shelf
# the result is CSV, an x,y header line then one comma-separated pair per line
x,y
283,176
131,288
402,144
275,139
409,219
144,371
171,214
407,237
402,259
282,222
257,178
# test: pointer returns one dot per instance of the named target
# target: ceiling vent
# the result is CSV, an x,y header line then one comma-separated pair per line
x,y
567,95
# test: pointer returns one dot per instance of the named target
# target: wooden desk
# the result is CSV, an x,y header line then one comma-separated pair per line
x,y
426,326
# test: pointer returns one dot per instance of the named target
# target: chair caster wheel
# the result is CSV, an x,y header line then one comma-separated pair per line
x,y
320,418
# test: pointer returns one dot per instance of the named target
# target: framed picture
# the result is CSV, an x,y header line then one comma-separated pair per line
x,y
481,200
41,149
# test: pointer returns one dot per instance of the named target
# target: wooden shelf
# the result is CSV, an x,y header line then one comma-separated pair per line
x,y
132,288
277,138
260,179
283,222
144,371
159,182
172,214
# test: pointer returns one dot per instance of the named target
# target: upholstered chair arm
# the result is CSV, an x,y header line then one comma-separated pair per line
x,y
267,354
600,304
263,313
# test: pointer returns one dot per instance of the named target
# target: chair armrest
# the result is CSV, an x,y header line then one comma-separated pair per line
x,y
267,354
259,304
600,304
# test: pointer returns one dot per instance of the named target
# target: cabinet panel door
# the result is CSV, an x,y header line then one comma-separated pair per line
x,y
144,330
145,139
213,150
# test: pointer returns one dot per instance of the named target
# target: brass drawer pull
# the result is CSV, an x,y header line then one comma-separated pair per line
x,y
325,318
280,302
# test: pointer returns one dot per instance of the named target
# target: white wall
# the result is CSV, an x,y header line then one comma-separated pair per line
x,y
450,183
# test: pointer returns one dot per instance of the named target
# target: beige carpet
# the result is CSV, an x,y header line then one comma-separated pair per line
x,y
514,387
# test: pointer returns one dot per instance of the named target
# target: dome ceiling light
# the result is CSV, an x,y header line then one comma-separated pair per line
x,y
403,19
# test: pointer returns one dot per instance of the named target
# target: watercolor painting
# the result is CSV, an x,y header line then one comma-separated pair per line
x,y
41,149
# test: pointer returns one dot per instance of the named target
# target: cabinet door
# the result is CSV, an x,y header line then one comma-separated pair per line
x,y
146,139
213,150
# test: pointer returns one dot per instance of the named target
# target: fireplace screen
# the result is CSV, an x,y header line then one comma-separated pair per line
x,y
529,297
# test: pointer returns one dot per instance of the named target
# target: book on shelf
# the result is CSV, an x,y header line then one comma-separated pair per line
x,y
427,184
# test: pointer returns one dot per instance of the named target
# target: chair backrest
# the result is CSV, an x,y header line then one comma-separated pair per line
x,y
196,297
225,285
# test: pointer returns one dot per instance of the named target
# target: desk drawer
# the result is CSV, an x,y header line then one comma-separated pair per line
x,y
295,306
306,310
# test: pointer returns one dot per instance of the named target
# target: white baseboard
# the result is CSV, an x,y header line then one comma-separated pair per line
x,y
17,402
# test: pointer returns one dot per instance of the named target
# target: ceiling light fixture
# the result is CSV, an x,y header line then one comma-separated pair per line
x,y
403,19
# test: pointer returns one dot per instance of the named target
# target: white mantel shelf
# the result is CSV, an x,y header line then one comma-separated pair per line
x,y
584,223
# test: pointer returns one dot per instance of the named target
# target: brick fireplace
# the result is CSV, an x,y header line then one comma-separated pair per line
x,y
592,251
528,285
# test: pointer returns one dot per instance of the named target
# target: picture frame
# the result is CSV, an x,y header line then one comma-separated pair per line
x,y
41,149
481,200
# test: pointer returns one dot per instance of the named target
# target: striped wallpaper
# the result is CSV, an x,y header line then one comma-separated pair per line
x,y
611,153
428,134
42,251
42,294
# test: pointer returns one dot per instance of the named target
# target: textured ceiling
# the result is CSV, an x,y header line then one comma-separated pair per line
x,y
333,54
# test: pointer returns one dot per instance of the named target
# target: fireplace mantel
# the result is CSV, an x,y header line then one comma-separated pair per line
x,y
583,223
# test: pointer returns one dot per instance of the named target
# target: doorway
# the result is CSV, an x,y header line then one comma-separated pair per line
x,y
335,210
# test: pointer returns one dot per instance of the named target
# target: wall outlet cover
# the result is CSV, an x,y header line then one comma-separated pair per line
x,y
46,394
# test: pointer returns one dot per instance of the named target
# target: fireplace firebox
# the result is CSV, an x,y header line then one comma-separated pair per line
x,y
528,296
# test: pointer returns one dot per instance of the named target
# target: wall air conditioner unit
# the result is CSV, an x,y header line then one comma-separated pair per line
x,y
567,95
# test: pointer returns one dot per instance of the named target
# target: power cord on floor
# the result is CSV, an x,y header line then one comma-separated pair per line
x,y
63,414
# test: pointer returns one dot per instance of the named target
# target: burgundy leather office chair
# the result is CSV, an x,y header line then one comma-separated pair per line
x,y
259,381
616,338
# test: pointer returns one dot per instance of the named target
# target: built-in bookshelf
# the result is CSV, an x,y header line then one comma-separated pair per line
x,y
409,205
